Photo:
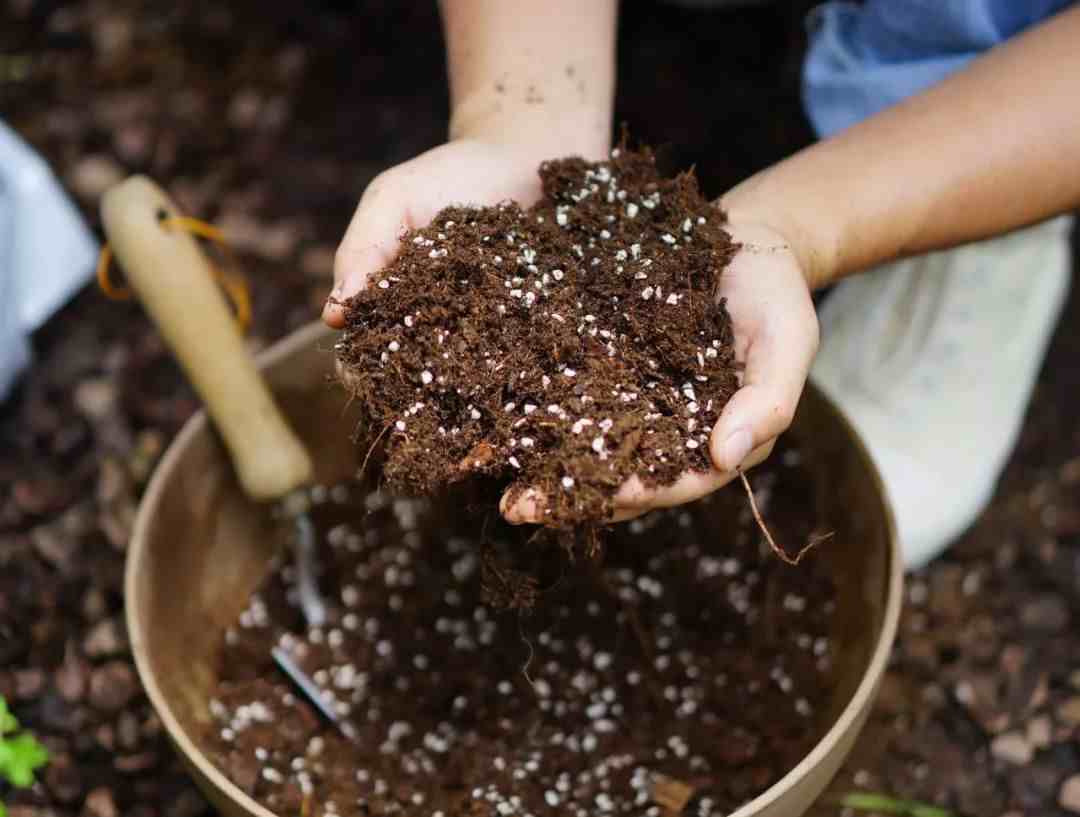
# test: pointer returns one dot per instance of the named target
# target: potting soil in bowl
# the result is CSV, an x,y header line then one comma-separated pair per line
x,y
683,675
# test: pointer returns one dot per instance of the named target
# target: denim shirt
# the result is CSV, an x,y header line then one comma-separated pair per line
x,y
864,57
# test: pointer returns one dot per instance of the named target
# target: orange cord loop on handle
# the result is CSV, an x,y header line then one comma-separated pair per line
x,y
234,286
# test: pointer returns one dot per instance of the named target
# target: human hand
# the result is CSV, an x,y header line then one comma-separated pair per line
x,y
776,338
465,171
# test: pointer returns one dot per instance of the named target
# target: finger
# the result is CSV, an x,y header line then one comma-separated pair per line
x,y
635,496
527,507
370,243
626,514
777,363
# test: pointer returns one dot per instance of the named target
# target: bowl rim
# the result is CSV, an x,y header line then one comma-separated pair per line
x,y
875,669
201,764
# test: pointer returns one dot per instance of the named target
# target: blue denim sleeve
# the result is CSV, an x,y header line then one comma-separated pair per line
x,y
866,56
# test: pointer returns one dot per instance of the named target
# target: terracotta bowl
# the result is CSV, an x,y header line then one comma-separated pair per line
x,y
200,547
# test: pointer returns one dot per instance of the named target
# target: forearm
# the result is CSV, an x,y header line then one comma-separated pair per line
x,y
540,72
992,148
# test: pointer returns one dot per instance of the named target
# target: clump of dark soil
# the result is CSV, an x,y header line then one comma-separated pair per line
x,y
565,347
684,675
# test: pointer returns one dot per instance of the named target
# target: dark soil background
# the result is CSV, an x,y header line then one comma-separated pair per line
x,y
269,119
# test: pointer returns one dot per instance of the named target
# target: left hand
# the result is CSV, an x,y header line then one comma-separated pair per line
x,y
776,338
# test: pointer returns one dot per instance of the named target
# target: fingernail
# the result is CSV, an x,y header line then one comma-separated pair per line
x,y
736,448
526,508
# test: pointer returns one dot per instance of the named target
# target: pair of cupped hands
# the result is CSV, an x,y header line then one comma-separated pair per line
x,y
768,297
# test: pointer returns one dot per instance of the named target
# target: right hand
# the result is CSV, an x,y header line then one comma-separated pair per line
x,y
470,171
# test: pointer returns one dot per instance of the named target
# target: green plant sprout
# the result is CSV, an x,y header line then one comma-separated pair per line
x,y
20,753
882,804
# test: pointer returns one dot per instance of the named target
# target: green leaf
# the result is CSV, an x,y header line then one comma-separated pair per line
x,y
3,810
7,720
882,804
20,757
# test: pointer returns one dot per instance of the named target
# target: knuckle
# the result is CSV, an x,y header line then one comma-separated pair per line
x,y
632,495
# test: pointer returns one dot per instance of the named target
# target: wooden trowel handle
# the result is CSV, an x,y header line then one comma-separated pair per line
x,y
169,273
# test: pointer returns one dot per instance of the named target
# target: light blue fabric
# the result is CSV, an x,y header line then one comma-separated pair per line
x,y
865,57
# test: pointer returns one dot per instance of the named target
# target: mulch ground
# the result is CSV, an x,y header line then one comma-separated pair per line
x,y
271,125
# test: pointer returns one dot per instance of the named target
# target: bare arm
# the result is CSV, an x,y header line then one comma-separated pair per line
x,y
545,69
992,148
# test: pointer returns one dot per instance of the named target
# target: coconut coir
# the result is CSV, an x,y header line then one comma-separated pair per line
x,y
564,347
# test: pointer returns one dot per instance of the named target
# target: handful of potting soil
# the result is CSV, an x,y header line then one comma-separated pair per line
x,y
565,347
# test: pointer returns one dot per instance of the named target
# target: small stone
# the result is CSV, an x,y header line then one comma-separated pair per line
x,y
94,605
1069,712
28,683
37,496
54,546
105,639
100,803
70,677
1013,658
133,764
93,175
1047,613
63,779
1039,732
243,110
1033,787
188,803
112,686
151,727
95,398
105,736
112,35
127,731
56,714
1069,797
1013,748
133,142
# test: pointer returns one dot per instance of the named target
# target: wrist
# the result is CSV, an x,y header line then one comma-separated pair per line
x,y
808,232
541,128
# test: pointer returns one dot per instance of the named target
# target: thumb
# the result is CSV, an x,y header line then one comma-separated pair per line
x,y
776,369
370,243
